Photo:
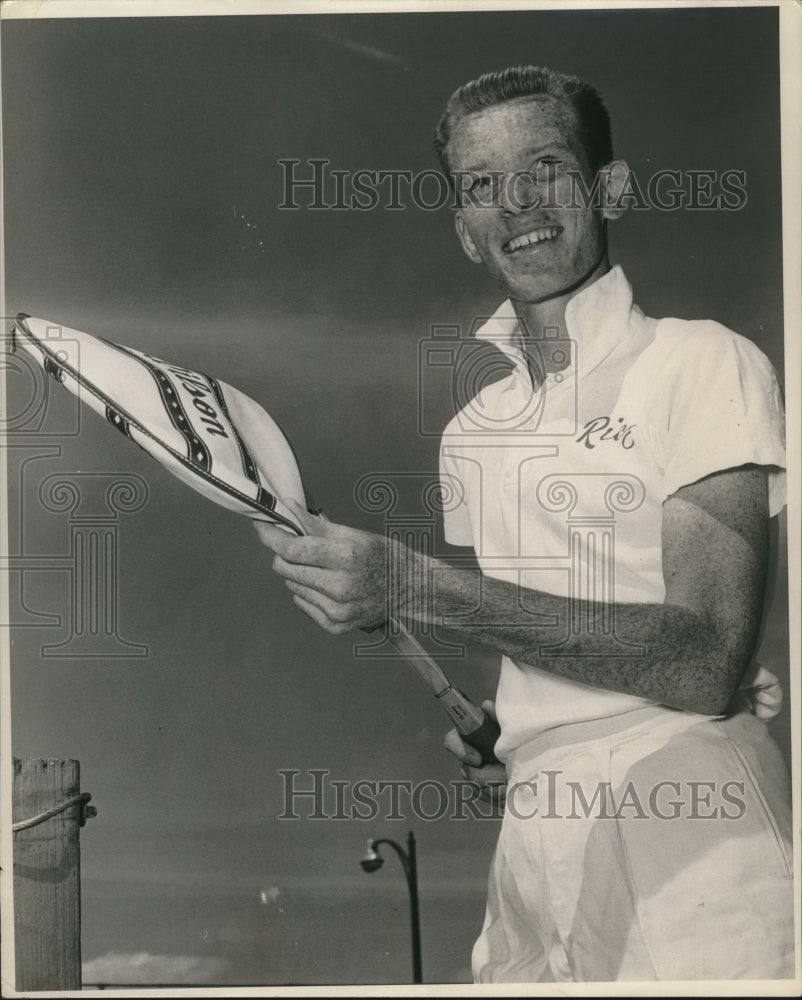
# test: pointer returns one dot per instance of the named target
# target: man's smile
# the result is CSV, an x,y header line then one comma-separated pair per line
x,y
534,237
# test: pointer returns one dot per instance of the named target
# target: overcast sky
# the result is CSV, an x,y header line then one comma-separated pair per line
x,y
142,187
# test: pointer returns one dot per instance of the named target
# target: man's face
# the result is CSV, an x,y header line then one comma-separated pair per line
x,y
533,234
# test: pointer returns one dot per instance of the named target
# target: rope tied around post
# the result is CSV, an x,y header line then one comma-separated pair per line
x,y
87,812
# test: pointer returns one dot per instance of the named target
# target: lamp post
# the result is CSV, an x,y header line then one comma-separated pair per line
x,y
373,861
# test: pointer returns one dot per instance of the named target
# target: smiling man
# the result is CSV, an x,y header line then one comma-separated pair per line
x,y
617,488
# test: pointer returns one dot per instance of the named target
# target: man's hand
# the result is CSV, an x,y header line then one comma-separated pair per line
x,y
492,778
338,575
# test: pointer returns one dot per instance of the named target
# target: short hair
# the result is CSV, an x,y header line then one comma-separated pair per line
x,y
592,121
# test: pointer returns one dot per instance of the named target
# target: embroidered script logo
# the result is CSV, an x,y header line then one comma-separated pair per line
x,y
603,429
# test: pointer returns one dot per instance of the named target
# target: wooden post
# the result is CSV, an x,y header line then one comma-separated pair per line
x,y
47,886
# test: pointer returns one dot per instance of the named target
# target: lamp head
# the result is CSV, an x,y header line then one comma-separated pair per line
x,y
372,861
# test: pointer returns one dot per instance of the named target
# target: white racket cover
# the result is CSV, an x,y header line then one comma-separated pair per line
x,y
210,435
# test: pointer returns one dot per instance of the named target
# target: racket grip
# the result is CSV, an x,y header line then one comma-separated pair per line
x,y
484,739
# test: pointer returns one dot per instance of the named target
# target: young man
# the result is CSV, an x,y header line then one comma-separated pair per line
x,y
617,489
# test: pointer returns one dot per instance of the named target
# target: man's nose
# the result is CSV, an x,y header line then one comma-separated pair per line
x,y
519,192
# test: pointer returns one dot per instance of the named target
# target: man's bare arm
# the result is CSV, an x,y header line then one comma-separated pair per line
x,y
696,645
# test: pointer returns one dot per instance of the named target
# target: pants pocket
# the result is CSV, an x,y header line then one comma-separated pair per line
x,y
767,813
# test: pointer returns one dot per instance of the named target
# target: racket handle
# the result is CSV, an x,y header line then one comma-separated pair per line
x,y
484,739
473,724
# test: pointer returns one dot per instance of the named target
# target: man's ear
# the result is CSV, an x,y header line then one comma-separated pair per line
x,y
465,239
614,181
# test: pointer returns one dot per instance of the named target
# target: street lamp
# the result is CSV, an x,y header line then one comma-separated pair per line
x,y
373,861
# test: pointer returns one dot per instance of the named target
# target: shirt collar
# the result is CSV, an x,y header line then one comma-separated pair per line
x,y
597,320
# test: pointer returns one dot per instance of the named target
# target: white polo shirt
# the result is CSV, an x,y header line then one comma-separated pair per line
x,y
560,489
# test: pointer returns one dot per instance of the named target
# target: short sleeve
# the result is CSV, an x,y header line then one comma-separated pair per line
x,y
456,518
719,406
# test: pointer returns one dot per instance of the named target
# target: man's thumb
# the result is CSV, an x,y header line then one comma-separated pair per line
x,y
490,707
313,524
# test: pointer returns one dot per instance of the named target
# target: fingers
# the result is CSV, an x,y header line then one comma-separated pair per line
x,y
491,781
274,537
322,619
299,551
330,583
313,524
337,612
489,774
339,574
334,547
462,751
307,550
271,534
339,594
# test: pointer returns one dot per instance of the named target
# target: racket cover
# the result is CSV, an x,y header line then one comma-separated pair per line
x,y
210,435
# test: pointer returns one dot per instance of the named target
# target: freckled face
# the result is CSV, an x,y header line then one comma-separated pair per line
x,y
531,232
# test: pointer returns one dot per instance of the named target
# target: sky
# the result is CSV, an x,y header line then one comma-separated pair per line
x,y
142,194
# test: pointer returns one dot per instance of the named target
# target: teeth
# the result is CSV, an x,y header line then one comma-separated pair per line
x,y
529,239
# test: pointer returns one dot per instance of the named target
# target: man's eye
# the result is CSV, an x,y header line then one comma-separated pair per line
x,y
482,188
547,164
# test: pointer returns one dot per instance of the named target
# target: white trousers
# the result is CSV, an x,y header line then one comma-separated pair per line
x,y
643,849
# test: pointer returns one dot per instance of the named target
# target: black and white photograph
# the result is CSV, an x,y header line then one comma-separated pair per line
x,y
400,515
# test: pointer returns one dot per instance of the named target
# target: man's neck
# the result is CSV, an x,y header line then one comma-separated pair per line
x,y
545,321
